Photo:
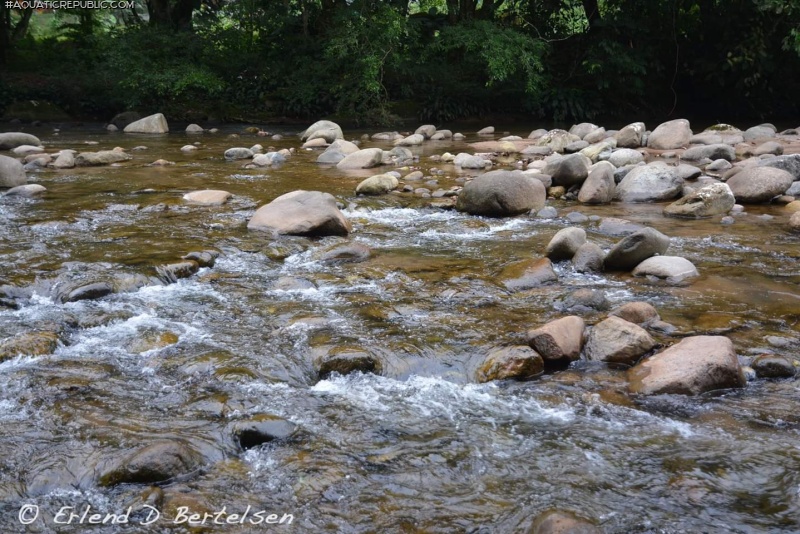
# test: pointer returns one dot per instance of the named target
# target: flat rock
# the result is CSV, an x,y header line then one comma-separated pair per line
x,y
27,191
158,462
790,164
715,151
261,429
310,213
345,360
208,197
104,157
641,313
693,366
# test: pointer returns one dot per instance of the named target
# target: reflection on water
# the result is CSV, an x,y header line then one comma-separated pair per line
x,y
421,448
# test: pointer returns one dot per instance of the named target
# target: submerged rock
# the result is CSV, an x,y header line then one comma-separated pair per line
x,y
159,462
558,522
693,366
527,274
519,362
346,359
27,191
261,429
238,153
28,344
309,213
344,253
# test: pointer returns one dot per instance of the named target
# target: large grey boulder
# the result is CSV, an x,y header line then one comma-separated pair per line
x,y
362,159
558,341
65,160
310,213
790,164
715,151
11,172
426,130
11,140
327,130
238,153
565,243
754,185
588,258
670,135
616,340
600,186
695,365
674,269
154,124
501,194
631,135
468,161
759,132
714,199
411,140
635,248
649,183
104,157
583,129
568,170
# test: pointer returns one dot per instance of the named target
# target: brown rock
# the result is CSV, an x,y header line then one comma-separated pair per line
x,y
309,213
695,365
557,522
528,274
518,362
616,340
559,340
640,313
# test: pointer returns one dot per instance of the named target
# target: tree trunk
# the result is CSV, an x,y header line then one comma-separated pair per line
x,y
172,14
592,10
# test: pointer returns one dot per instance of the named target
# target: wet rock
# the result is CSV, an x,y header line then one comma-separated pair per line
x,y
790,164
527,274
28,344
576,217
714,151
501,194
754,185
584,300
693,366
719,165
568,170
557,522
326,130
150,340
91,291
558,341
238,152
104,157
401,155
616,340
583,129
12,140
411,140
640,313
426,131
331,157
345,253
261,429
159,462
792,207
489,130
173,272
631,135
635,248
565,244
673,269
309,213
557,140
714,199
773,366
188,149
208,197
194,129
670,135
11,172
345,360
26,191
575,147
548,212
154,124
380,184
600,186
588,258
618,227
362,159
292,283
204,258
519,362
649,183
121,120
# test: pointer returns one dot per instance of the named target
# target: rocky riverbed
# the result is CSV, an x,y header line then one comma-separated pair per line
x,y
431,330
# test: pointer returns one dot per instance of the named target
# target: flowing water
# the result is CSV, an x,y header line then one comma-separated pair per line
x,y
421,448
